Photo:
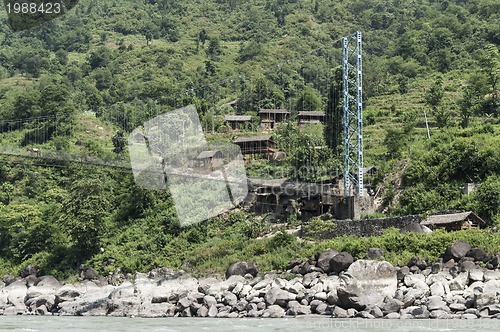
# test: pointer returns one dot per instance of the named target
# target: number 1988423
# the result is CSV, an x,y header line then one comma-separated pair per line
x,y
33,8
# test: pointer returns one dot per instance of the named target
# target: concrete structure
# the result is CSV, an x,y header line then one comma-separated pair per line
x,y
284,197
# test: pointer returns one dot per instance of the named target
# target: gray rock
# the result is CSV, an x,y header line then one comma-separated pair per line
x,y
278,296
367,283
323,259
230,299
439,314
322,296
391,305
375,254
491,275
459,282
209,300
476,275
274,311
213,311
293,263
29,270
202,312
416,280
479,255
489,293
456,251
310,279
332,298
155,310
466,266
376,312
67,293
436,303
402,272
392,315
437,289
87,272
415,261
321,309
341,262
338,312
436,268
314,304
458,307
365,314
241,268
297,309
469,316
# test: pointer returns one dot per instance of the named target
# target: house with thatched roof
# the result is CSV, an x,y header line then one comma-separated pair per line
x,y
238,121
306,117
255,145
210,159
455,221
269,117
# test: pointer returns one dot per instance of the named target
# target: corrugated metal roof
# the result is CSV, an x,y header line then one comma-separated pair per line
x,y
238,118
272,110
441,219
253,139
210,154
311,113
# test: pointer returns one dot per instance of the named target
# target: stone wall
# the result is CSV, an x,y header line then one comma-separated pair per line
x,y
367,227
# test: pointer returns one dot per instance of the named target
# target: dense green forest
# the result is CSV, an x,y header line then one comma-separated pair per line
x,y
108,66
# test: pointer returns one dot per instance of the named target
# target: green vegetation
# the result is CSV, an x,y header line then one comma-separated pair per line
x,y
89,77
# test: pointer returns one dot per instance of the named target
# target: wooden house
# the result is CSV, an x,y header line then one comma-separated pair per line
x,y
238,121
306,117
454,221
210,159
256,145
270,117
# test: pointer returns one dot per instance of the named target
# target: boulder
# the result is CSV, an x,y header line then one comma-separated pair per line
x,y
87,272
478,255
375,254
440,314
323,259
456,251
367,283
293,263
391,305
212,311
341,262
436,303
278,296
67,293
29,270
488,295
241,268
274,311
459,282
296,309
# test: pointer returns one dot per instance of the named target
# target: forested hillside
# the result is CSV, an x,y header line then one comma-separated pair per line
x,y
109,65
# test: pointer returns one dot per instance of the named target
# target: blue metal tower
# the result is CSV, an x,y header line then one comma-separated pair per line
x,y
352,92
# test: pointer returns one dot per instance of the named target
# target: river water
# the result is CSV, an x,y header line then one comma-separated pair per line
x,y
109,324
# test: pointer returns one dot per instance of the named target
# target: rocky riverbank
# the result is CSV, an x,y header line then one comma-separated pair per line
x,y
464,284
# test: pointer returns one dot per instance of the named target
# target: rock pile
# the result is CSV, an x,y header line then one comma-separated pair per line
x,y
332,284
